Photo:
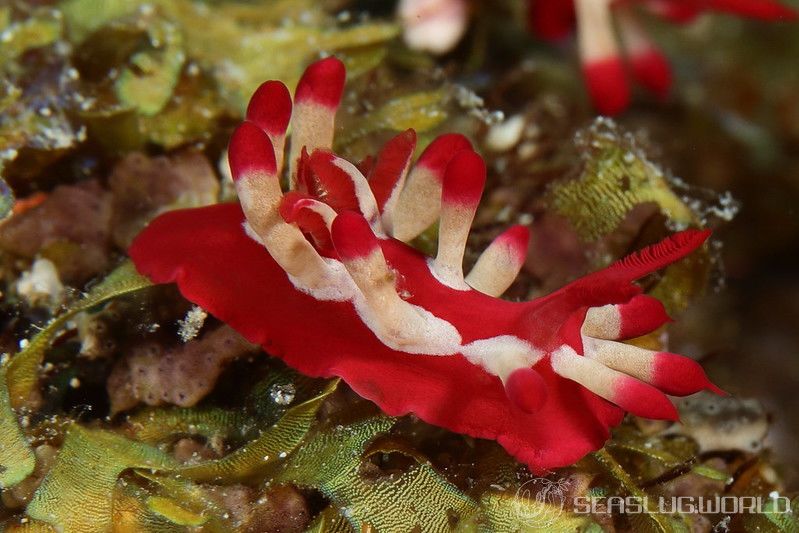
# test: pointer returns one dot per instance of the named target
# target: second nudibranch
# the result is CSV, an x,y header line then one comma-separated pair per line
x,y
613,40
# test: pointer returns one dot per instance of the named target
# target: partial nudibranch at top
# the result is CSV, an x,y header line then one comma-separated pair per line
x,y
322,277
608,55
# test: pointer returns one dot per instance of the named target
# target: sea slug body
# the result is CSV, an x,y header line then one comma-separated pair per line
x,y
322,277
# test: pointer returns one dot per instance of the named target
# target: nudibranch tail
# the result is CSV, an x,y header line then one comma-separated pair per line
x,y
629,376
614,284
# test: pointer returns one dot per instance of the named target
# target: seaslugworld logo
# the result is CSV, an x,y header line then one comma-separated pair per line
x,y
727,504
542,501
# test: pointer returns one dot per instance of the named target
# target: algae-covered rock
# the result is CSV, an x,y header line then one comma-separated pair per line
x,y
71,228
183,375
143,187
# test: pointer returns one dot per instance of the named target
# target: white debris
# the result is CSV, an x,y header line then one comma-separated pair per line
x,y
475,106
192,324
525,219
95,338
528,150
727,208
504,136
723,526
433,26
41,284
283,393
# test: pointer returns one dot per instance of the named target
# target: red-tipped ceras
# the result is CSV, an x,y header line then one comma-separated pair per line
x,y
322,277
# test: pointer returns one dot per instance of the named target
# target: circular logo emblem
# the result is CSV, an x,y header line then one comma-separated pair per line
x,y
539,501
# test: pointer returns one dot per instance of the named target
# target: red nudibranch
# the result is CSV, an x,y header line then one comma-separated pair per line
x,y
600,51
322,277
